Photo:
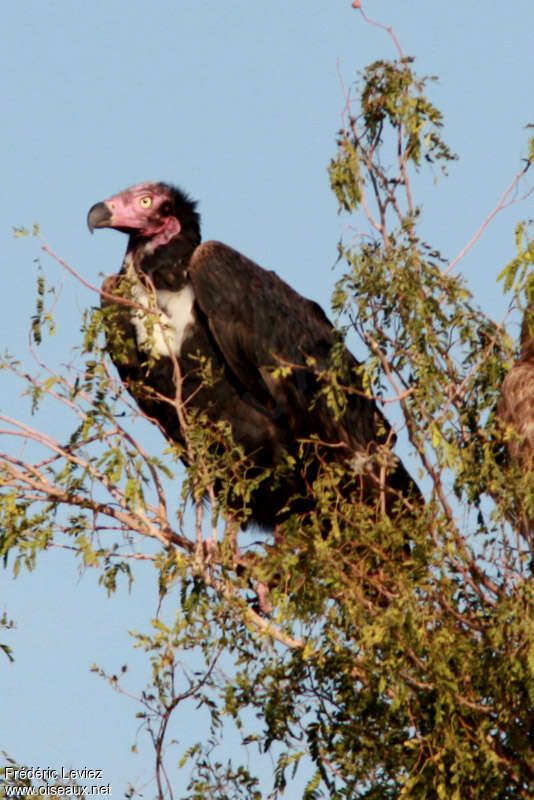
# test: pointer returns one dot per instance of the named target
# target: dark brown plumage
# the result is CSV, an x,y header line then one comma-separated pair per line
x,y
516,404
267,346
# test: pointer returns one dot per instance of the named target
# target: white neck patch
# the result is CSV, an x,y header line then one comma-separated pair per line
x,y
166,326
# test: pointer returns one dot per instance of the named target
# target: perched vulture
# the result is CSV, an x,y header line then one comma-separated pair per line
x,y
516,404
266,346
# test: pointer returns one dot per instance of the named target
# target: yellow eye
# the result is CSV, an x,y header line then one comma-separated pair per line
x,y
146,202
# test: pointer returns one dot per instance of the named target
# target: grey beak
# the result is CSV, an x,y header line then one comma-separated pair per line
x,y
99,216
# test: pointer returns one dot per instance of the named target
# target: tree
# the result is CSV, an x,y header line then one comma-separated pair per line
x,y
398,659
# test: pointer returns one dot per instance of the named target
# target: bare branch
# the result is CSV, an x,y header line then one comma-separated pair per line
x,y
503,203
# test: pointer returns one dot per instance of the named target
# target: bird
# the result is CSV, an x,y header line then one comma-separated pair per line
x,y
515,412
182,306
515,407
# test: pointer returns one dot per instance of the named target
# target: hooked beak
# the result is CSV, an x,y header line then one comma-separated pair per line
x,y
99,216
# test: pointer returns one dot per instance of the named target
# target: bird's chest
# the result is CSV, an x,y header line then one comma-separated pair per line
x,y
169,318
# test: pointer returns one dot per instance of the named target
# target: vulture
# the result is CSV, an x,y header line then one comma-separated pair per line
x,y
516,403
178,302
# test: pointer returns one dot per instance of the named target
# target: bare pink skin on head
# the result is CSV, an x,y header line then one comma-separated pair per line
x,y
145,209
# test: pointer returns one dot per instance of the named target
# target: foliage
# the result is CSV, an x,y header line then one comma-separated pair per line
x,y
398,659
6,624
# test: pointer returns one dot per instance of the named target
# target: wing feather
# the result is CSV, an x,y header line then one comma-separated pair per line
x,y
516,409
276,341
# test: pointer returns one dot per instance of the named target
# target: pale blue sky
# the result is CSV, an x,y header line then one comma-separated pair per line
x,y
238,103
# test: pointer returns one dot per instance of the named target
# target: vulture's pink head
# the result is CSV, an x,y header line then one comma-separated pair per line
x,y
154,211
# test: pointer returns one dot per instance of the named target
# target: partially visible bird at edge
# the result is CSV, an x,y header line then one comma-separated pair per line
x,y
516,413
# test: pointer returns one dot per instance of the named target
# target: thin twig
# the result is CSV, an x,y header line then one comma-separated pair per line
x,y
499,207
